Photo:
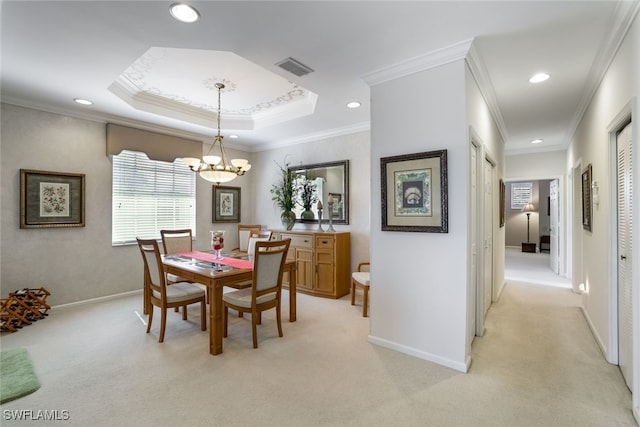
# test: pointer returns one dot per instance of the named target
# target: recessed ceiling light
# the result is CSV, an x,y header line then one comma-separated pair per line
x,y
540,77
536,141
184,13
234,136
83,101
353,104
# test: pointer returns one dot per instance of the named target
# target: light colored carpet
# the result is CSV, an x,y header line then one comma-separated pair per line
x,y
532,268
537,365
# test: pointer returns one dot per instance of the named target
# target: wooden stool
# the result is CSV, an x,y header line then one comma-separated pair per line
x,y
361,279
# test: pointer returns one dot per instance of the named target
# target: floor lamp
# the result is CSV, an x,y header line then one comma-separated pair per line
x,y
528,208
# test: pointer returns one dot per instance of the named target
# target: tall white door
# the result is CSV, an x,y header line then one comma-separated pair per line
x,y
554,232
488,234
625,256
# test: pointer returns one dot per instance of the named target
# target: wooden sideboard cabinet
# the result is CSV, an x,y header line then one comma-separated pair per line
x,y
323,262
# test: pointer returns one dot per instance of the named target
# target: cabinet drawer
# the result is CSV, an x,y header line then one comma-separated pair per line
x,y
324,242
299,241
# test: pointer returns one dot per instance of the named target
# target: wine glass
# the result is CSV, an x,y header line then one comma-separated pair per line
x,y
217,242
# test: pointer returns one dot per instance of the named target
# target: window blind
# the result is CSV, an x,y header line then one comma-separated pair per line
x,y
150,195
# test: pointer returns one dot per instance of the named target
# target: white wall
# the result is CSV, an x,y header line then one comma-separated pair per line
x,y
484,131
618,91
355,148
419,280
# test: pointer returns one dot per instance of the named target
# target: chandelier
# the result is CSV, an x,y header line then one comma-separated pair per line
x,y
215,168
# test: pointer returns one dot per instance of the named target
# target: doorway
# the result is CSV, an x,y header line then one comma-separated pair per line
x,y
624,254
542,228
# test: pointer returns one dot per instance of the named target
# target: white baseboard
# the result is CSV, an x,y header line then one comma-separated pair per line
x,y
595,334
458,366
94,300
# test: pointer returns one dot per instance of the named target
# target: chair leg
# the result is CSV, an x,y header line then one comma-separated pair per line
x,y
184,312
254,329
353,293
203,315
150,319
163,322
365,300
279,320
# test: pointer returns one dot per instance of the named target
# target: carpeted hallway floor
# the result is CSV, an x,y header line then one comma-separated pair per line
x,y
537,365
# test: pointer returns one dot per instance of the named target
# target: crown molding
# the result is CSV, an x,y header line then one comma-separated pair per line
x,y
625,13
485,85
419,63
331,133
518,151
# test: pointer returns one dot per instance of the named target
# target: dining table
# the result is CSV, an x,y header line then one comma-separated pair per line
x,y
232,268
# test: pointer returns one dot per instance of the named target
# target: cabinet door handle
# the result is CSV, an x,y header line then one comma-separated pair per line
x,y
622,257
324,242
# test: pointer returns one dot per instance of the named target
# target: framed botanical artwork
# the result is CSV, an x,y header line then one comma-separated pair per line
x,y
414,192
226,204
51,199
586,198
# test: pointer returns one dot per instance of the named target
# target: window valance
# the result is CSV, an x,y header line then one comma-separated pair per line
x,y
156,146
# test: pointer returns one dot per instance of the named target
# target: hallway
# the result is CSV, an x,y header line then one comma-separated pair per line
x,y
531,268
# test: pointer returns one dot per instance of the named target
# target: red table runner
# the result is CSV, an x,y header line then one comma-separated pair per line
x,y
231,262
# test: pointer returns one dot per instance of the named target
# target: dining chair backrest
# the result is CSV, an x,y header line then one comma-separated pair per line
x,y
268,266
251,249
176,241
244,232
154,273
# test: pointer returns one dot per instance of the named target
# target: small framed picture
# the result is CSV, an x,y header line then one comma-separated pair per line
x,y
586,198
226,204
414,192
51,199
337,206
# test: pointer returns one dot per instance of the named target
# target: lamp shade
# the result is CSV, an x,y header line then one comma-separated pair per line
x,y
529,208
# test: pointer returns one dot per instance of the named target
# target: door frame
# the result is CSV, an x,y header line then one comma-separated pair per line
x,y
628,113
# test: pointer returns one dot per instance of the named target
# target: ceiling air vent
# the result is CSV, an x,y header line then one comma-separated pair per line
x,y
294,67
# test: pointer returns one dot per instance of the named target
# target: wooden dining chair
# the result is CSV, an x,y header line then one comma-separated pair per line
x,y
261,237
244,232
361,279
160,295
266,288
175,242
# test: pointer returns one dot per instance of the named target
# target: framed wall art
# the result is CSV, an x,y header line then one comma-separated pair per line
x,y
226,204
521,194
586,198
414,192
51,199
337,205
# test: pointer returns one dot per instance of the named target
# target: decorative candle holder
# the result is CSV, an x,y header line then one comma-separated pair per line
x,y
320,220
319,208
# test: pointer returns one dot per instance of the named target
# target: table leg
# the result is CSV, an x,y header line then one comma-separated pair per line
x,y
215,319
292,293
